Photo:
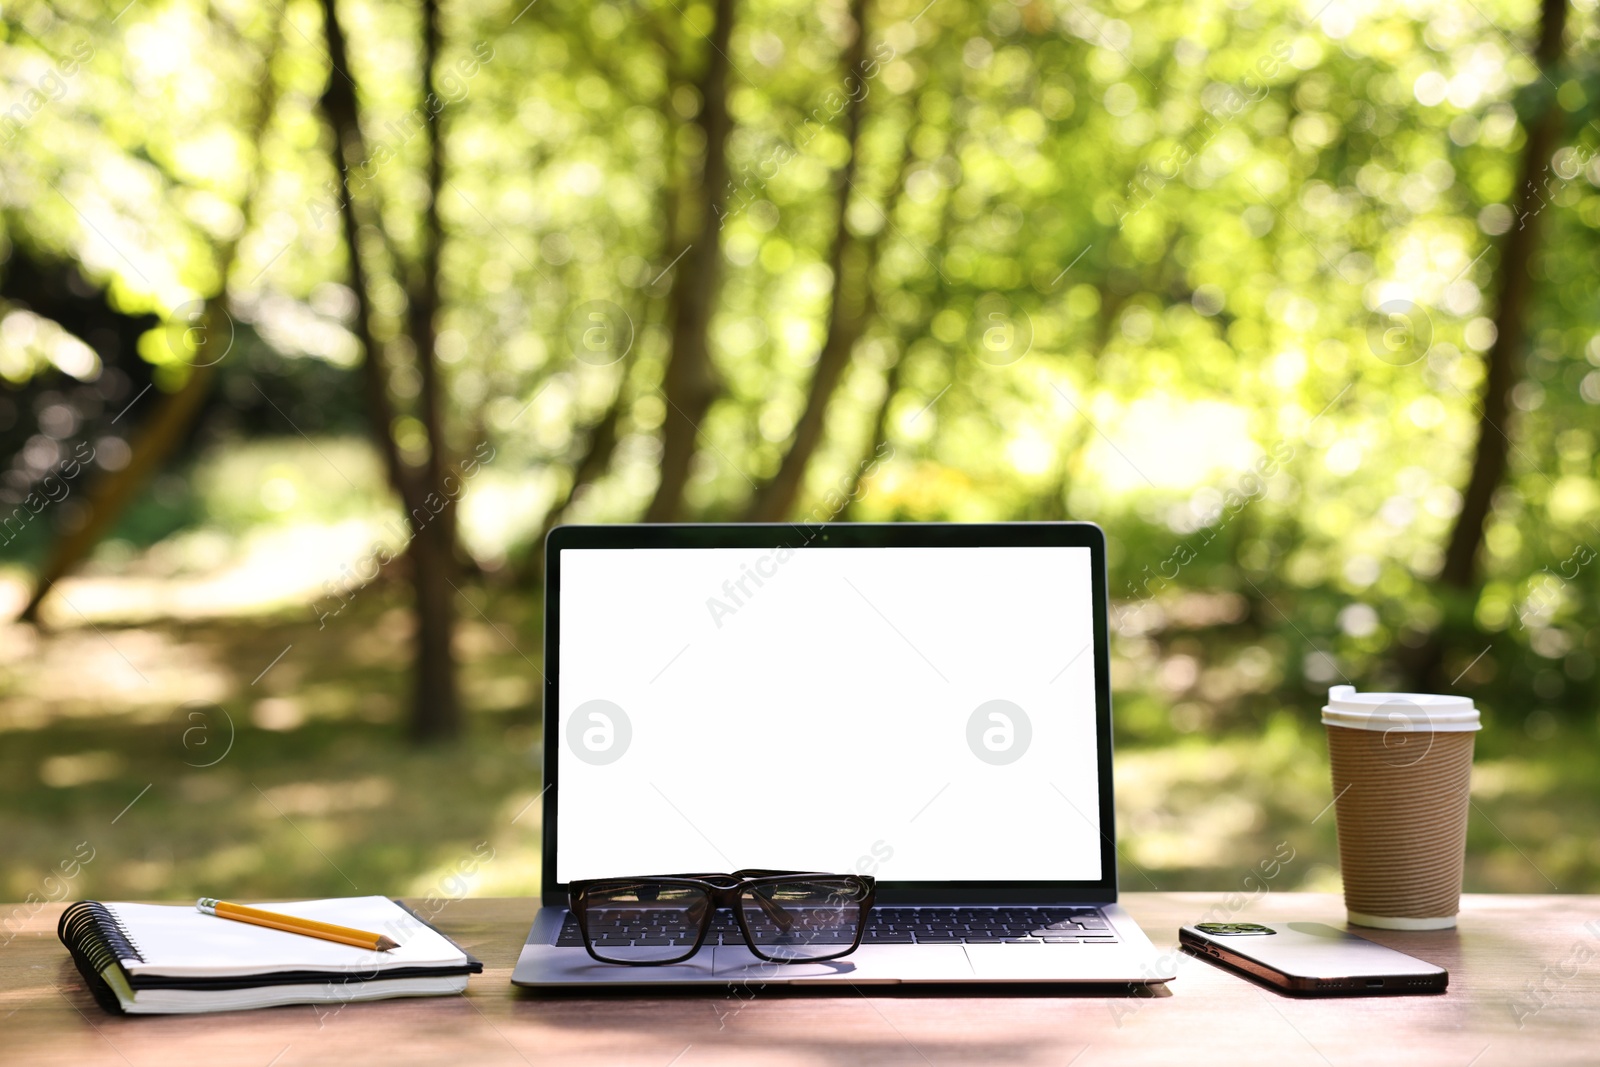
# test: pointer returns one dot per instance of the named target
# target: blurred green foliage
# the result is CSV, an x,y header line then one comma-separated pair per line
x,y
1131,264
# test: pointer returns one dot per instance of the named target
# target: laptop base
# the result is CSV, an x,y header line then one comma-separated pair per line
x,y
1132,959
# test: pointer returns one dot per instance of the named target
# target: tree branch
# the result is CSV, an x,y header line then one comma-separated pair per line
x,y
773,500
690,383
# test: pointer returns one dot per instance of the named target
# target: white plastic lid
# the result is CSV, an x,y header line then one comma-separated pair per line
x,y
1400,711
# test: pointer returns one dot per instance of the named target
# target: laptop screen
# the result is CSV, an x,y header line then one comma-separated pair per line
x,y
921,714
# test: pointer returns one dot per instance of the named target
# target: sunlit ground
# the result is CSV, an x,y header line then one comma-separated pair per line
x,y
184,720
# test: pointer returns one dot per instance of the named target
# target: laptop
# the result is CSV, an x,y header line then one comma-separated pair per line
x,y
928,704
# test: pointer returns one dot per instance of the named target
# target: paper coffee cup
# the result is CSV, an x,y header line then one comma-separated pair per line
x,y
1402,773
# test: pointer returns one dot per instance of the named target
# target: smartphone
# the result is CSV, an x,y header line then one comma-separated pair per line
x,y
1312,958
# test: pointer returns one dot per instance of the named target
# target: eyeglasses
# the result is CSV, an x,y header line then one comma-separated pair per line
x,y
785,916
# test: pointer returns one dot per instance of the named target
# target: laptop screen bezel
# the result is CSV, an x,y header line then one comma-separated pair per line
x,y
852,535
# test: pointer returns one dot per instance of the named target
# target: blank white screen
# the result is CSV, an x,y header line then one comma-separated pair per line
x,y
820,720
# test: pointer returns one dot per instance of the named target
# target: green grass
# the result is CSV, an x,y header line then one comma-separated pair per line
x,y
300,783
1201,814
320,793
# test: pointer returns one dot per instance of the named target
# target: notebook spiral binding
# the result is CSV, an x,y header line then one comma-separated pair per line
x,y
97,940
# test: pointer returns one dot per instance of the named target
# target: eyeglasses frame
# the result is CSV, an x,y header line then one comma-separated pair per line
x,y
721,894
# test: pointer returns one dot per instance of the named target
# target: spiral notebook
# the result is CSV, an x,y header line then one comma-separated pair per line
x,y
165,958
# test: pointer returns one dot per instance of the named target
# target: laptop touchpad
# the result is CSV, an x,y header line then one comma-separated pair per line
x,y
870,963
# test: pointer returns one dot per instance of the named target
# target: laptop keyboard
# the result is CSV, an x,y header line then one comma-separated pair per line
x,y
885,926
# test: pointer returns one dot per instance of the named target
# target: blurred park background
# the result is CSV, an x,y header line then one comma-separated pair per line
x,y
315,316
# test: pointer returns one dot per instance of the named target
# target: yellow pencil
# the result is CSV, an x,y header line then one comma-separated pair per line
x,y
295,925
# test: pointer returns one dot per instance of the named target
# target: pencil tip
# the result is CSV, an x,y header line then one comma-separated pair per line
x,y
385,944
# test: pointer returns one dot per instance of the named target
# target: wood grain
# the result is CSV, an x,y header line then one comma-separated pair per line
x,y
1524,992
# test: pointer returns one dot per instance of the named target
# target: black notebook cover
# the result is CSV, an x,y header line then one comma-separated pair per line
x,y
96,940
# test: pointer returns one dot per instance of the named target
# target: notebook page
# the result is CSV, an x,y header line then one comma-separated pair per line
x,y
180,942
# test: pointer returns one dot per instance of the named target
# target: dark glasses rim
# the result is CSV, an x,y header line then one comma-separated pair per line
x,y
716,888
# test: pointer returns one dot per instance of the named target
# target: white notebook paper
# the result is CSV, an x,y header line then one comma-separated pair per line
x,y
326,991
176,941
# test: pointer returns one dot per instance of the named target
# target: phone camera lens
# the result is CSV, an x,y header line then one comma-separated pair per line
x,y
1235,929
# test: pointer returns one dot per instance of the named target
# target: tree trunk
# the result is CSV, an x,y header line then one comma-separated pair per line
x,y
773,500
690,382
350,150
436,711
1504,359
428,505
878,448
1503,362
174,417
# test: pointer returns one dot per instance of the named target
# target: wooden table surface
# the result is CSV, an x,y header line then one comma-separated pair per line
x,y
1524,991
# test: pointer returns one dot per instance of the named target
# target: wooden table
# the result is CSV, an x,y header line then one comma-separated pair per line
x,y
1524,991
